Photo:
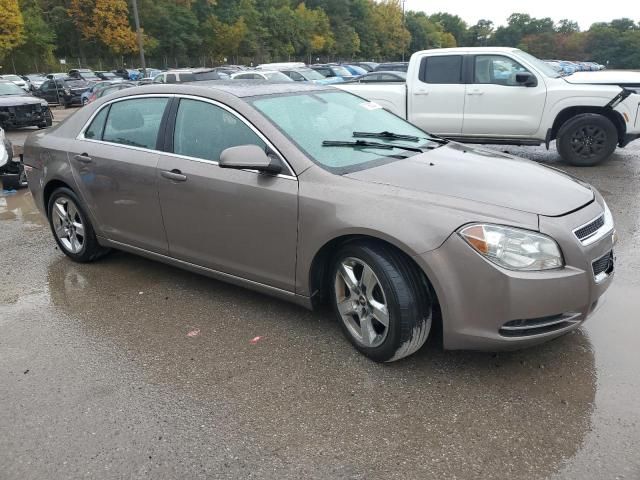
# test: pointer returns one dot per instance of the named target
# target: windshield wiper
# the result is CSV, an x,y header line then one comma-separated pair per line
x,y
364,144
397,136
385,134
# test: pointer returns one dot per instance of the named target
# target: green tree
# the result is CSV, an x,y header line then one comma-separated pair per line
x,y
452,24
567,26
36,53
11,27
425,33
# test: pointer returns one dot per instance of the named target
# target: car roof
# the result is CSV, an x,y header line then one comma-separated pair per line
x,y
237,88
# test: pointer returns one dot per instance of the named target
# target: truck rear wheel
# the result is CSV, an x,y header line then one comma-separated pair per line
x,y
587,139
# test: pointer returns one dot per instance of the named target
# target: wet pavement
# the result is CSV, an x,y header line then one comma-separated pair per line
x,y
99,377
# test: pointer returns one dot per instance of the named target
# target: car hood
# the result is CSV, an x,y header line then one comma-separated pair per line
x,y
484,176
13,100
605,77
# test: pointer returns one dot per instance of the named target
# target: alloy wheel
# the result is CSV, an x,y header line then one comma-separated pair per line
x,y
588,141
361,302
68,225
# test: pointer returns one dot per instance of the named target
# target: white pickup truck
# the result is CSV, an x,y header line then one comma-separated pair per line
x,y
506,96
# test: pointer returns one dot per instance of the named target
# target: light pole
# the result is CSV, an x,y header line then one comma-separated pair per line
x,y
404,25
136,19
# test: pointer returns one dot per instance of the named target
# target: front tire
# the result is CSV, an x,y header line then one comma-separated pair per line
x,y
587,139
381,300
72,228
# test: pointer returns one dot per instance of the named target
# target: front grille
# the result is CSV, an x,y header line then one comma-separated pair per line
x,y
603,266
537,326
585,232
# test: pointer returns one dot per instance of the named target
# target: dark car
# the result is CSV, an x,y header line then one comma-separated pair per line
x,y
21,109
381,77
392,67
84,74
63,91
108,76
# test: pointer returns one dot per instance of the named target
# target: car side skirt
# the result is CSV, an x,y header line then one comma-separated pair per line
x,y
208,272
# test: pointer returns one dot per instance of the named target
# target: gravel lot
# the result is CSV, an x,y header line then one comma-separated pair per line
x,y
101,380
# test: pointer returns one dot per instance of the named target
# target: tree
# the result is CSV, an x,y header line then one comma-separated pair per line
x,y
11,27
388,23
425,33
567,26
479,34
36,53
452,24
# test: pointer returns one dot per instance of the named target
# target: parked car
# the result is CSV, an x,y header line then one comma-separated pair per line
x,y
52,76
501,261
354,70
203,74
175,76
392,67
35,80
84,74
21,109
381,77
333,71
588,115
63,91
97,86
12,173
305,74
22,83
268,75
107,76
368,66
116,87
128,74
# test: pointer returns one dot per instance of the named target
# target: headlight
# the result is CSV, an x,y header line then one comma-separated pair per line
x,y
67,91
513,248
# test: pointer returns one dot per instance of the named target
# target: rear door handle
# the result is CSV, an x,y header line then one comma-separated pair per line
x,y
422,92
175,175
475,92
84,158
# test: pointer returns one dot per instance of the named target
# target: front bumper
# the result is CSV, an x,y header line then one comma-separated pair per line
x,y
23,116
486,307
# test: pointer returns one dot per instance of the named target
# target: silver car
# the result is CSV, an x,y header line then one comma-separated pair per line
x,y
312,194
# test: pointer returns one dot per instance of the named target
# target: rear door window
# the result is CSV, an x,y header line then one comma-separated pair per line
x,y
135,122
442,69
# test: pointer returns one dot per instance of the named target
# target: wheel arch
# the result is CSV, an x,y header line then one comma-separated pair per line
x,y
570,112
320,268
51,186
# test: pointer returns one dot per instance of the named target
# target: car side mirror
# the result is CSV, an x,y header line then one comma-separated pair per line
x,y
249,157
526,79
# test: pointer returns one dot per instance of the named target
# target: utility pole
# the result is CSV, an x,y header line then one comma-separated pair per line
x,y
136,19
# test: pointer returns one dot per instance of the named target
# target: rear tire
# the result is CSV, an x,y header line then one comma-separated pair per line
x,y
587,139
72,228
381,300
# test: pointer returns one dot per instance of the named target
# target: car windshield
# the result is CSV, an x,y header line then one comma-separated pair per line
x,y
309,118
277,77
212,75
13,78
8,88
341,71
543,67
36,78
310,74
75,83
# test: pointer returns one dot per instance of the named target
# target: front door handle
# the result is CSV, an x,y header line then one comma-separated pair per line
x,y
475,92
422,92
83,158
175,175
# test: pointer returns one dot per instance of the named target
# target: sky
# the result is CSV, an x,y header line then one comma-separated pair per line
x,y
585,12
